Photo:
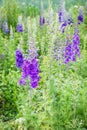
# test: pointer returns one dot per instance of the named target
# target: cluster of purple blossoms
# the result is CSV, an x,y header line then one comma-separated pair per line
x,y
80,17
72,49
30,69
42,20
75,44
70,20
22,82
19,58
61,11
68,53
19,28
60,16
58,50
63,25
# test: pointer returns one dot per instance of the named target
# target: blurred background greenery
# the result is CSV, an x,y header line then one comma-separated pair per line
x,y
69,3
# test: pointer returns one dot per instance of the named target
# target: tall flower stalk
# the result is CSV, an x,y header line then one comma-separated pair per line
x,y
42,19
29,65
80,17
19,27
70,19
62,16
62,12
72,49
5,27
19,58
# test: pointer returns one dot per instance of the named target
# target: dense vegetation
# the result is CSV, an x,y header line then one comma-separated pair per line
x,y
59,102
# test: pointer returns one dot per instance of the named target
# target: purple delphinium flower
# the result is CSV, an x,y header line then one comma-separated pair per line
x,y
72,50
34,83
42,20
35,76
75,44
70,20
21,82
6,31
63,25
29,65
60,16
68,53
19,27
33,66
80,17
76,39
30,69
58,50
62,12
19,58
25,69
34,73
31,53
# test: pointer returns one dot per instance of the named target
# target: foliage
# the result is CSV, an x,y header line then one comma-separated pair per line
x,y
60,101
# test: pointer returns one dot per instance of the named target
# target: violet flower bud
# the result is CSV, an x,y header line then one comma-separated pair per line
x,y
19,58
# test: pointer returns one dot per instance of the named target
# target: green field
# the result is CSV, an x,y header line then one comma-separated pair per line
x,y
43,65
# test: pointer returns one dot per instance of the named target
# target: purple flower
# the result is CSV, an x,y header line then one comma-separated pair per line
x,y
35,76
34,61
19,28
22,82
72,50
33,68
80,17
6,31
19,58
75,44
34,83
5,28
60,16
25,69
73,58
76,39
62,11
34,73
77,51
67,60
70,21
63,25
30,68
68,53
42,20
